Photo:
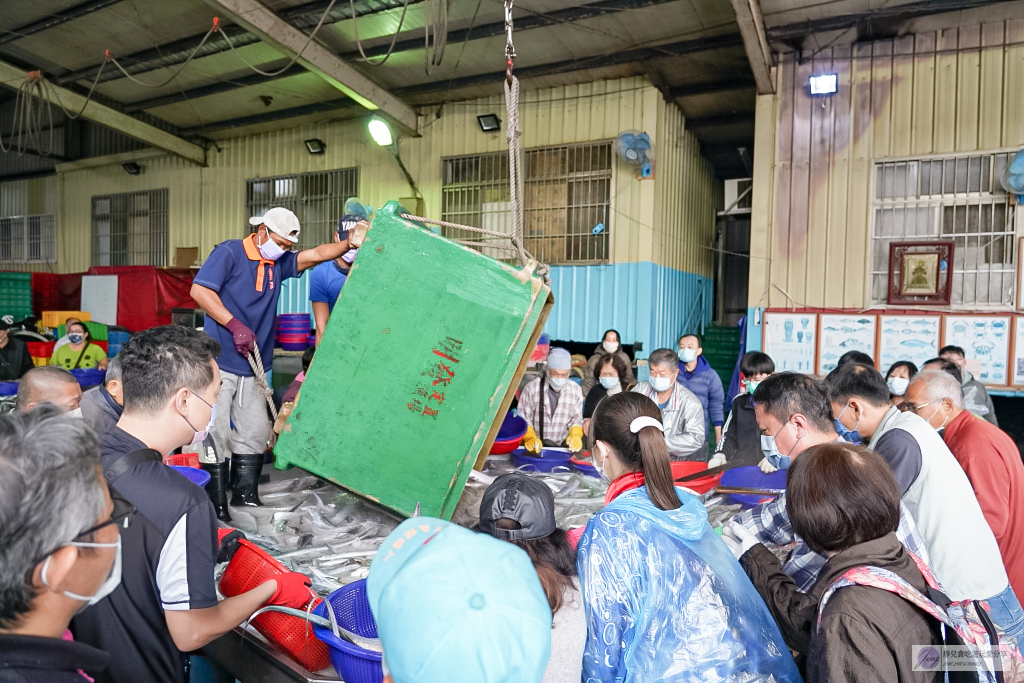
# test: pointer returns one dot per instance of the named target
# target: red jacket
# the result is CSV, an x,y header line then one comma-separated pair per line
x,y
993,464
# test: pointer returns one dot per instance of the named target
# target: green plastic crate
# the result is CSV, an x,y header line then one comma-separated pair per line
x,y
16,295
416,369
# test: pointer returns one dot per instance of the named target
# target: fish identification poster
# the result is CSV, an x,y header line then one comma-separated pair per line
x,y
844,332
908,337
986,341
789,338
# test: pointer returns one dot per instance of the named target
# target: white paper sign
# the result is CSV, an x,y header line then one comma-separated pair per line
x,y
908,337
842,333
984,339
789,340
99,297
1018,360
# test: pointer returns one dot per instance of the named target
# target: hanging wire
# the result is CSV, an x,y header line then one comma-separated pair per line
x,y
213,29
394,38
297,54
435,20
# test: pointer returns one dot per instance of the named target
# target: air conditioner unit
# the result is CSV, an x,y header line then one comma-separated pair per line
x,y
734,189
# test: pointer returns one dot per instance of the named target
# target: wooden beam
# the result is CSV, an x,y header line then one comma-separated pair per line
x,y
748,16
13,77
289,40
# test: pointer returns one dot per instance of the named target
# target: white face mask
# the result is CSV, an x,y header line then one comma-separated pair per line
x,y
557,382
271,250
898,385
604,461
661,383
610,347
113,579
77,412
609,382
201,434
687,355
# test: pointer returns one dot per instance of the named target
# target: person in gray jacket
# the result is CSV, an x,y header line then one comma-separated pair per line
x,y
102,405
975,394
681,411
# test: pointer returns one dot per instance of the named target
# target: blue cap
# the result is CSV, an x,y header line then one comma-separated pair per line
x,y
454,606
346,223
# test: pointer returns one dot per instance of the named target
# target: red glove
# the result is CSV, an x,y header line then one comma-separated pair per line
x,y
245,339
292,591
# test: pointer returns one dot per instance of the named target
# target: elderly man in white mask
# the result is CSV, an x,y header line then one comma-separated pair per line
x,y
552,406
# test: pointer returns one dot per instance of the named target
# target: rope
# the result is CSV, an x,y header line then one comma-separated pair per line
x,y
394,38
515,159
256,363
213,29
297,54
455,226
436,19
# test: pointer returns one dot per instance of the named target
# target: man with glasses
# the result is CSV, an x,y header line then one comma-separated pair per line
x,y
964,553
681,411
238,287
167,602
59,544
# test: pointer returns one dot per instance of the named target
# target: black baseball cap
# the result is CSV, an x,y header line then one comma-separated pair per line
x,y
520,498
346,223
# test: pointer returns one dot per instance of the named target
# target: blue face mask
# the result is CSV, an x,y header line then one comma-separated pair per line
x,y
609,382
687,355
851,435
76,337
771,451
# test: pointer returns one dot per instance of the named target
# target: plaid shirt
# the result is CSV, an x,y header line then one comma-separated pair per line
x,y
558,418
770,523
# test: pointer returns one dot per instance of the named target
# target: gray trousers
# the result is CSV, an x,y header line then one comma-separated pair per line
x,y
242,405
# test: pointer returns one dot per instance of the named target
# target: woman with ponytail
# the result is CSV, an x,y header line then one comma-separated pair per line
x,y
665,600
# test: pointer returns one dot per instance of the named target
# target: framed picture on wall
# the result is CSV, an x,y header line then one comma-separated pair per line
x,y
920,273
1020,274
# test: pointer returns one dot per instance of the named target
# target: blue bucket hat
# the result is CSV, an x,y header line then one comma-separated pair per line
x,y
454,606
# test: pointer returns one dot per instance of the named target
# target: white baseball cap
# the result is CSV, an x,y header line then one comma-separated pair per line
x,y
280,220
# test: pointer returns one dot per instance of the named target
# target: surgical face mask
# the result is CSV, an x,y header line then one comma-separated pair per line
x,y
934,413
77,412
557,382
200,435
771,451
609,382
76,337
898,385
113,579
349,256
751,385
687,355
851,435
610,347
604,461
661,383
271,250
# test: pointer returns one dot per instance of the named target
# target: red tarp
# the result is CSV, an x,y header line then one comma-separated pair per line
x,y
146,295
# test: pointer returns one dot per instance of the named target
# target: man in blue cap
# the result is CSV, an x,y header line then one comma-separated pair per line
x,y
327,279
454,606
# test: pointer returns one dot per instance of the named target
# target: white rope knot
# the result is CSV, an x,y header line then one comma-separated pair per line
x,y
644,421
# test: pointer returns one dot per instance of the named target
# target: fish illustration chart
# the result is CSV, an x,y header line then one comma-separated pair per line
x,y
985,340
789,338
908,337
844,332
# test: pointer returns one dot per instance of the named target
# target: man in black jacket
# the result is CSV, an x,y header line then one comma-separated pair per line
x,y
15,360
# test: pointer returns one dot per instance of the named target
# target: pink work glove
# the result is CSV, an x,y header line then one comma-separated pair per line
x,y
292,591
245,339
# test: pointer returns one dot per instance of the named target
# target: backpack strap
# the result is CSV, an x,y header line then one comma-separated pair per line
x,y
128,461
876,577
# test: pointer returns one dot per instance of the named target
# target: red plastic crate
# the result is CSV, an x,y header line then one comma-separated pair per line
x,y
182,460
699,485
250,567
41,349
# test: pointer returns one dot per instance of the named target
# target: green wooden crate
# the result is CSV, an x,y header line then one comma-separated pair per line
x,y
418,365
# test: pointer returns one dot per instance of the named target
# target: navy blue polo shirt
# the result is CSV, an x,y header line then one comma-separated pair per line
x,y
232,274
325,283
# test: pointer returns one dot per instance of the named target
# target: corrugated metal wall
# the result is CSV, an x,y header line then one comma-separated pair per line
x,y
955,90
25,197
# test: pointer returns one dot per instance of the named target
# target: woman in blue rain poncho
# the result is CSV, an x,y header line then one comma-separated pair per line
x,y
664,598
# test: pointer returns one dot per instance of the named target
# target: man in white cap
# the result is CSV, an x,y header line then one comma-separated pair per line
x,y
552,406
238,287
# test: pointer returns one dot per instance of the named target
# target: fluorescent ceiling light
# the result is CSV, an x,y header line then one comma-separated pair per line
x,y
825,84
380,131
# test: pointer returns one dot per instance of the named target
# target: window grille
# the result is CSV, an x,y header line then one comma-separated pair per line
x,y
28,239
567,195
955,198
130,229
317,199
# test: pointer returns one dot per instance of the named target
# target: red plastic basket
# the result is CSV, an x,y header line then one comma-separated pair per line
x,y
250,567
183,460
41,349
699,485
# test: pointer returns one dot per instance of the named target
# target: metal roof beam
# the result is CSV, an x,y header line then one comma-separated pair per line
x,y
738,82
56,19
343,103
748,16
13,77
275,31
211,89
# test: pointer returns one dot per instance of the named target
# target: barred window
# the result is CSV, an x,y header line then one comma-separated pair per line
x,y
28,239
130,229
317,199
567,199
958,199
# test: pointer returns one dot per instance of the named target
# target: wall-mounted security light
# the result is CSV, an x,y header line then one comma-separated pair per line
x,y
825,84
131,168
380,131
315,146
489,122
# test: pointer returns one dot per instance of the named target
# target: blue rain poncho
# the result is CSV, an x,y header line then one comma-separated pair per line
x,y
665,600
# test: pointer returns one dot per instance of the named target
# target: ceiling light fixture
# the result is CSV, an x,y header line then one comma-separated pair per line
x,y
825,84
315,146
489,123
131,168
380,131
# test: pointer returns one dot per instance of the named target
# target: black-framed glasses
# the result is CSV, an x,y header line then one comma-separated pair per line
x,y
121,516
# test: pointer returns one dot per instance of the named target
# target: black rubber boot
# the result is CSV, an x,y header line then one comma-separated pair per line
x,y
217,489
245,479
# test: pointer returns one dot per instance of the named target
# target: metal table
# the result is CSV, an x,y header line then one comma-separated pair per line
x,y
254,660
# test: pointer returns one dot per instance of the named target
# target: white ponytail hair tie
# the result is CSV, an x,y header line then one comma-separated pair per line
x,y
644,421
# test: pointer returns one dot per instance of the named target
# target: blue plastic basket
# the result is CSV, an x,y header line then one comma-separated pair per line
x,y
753,477
115,340
548,459
352,610
89,377
195,475
8,388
